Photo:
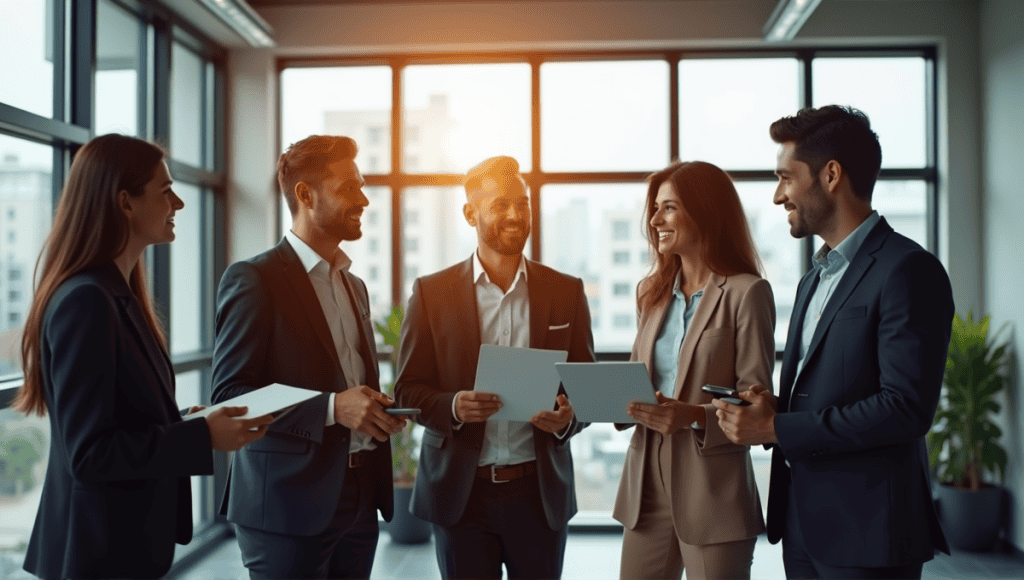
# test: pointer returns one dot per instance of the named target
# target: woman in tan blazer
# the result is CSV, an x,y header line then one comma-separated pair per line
x,y
687,497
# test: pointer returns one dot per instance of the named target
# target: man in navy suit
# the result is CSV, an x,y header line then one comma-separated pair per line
x,y
850,492
305,501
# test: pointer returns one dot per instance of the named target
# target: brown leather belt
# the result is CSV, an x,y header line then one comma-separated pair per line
x,y
501,474
358,459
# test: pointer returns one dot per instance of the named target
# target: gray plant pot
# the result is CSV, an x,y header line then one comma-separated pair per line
x,y
971,520
404,527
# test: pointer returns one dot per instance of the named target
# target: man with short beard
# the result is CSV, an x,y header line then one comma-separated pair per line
x,y
305,502
850,491
497,492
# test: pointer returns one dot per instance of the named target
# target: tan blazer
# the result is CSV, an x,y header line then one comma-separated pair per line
x,y
730,343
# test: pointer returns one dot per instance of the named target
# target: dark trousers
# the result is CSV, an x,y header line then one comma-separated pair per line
x,y
799,564
503,523
345,549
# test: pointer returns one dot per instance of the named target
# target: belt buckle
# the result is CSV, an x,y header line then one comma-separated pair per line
x,y
494,475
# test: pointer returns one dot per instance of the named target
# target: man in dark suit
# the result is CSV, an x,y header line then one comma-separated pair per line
x,y
305,500
850,493
497,492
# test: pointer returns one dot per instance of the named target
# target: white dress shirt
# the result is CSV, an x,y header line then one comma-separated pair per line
x,y
341,320
504,320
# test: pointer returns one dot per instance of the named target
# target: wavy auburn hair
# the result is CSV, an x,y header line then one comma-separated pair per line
x,y
89,230
710,200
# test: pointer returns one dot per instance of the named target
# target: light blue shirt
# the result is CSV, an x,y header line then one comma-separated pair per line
x,y
670,339
831,265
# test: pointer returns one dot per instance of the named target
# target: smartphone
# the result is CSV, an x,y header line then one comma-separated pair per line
x,y
726,394
398,411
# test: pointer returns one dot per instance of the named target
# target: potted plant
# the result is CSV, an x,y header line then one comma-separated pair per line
x,y
963,442
404,527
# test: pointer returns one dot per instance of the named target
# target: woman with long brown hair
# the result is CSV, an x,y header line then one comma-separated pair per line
x,y
687,497
116,496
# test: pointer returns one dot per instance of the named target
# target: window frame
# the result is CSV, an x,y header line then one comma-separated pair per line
x,y
398,179
71,125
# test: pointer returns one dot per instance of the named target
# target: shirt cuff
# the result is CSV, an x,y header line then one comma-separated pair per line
x,y
458,424
565,431
330,410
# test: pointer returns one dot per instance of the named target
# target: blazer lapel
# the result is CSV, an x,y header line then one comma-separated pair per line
x,y
298,278
791,357
364,331
653,325
708,301
854,272
540,305
154,353
465,318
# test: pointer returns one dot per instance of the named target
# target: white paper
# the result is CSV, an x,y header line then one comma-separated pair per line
x,y
268,399
601,392
524,378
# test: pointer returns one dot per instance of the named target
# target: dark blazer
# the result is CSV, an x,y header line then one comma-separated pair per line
x,y
854,432
271,329
117,494
440,345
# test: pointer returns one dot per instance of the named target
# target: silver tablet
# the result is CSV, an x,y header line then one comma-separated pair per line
x,y
600,392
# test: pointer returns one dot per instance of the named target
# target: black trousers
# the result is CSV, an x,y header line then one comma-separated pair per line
x,y
800,565
345,549
504,523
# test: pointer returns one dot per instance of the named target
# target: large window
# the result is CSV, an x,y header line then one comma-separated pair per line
x,y
587,129
151,72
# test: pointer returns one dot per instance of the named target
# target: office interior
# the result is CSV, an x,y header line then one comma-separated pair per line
x,y
590,96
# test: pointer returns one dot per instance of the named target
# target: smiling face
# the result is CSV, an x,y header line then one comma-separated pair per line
x,y
801,193
337,205
677,234
500,212
151,214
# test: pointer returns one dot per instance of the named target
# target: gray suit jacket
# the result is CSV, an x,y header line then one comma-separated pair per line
x,y
438,357
271,329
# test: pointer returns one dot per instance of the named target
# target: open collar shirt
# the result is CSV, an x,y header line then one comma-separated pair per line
x,y
326,278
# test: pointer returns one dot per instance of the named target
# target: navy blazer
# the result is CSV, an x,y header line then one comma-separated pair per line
x,y
437,358
853,424
117,494
271,329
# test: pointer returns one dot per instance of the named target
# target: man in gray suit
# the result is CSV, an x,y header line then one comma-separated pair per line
x,y
498,492
305,500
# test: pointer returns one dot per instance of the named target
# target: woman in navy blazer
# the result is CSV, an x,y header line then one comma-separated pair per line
x,y
116,496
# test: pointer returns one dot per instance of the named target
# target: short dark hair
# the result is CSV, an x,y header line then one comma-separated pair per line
x,y
834,132
501,168
307,161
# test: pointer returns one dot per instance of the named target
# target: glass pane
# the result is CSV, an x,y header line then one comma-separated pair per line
x,y
435,233
370,254
890,91
186,105
904,205
779,251
117,62
353,101
186,272
458,115
24,452
26,52
604,116
598,453
25,214
596,232
725,111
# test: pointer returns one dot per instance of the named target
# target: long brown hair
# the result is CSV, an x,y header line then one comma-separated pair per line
x,y
88,230
710,199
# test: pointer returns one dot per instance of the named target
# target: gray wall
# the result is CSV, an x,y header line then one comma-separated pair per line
x,y
1002,121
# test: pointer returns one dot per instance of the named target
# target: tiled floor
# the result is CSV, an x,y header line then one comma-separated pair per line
x,y
596,557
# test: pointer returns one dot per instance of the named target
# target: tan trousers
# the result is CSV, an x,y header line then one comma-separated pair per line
x,y
652,550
